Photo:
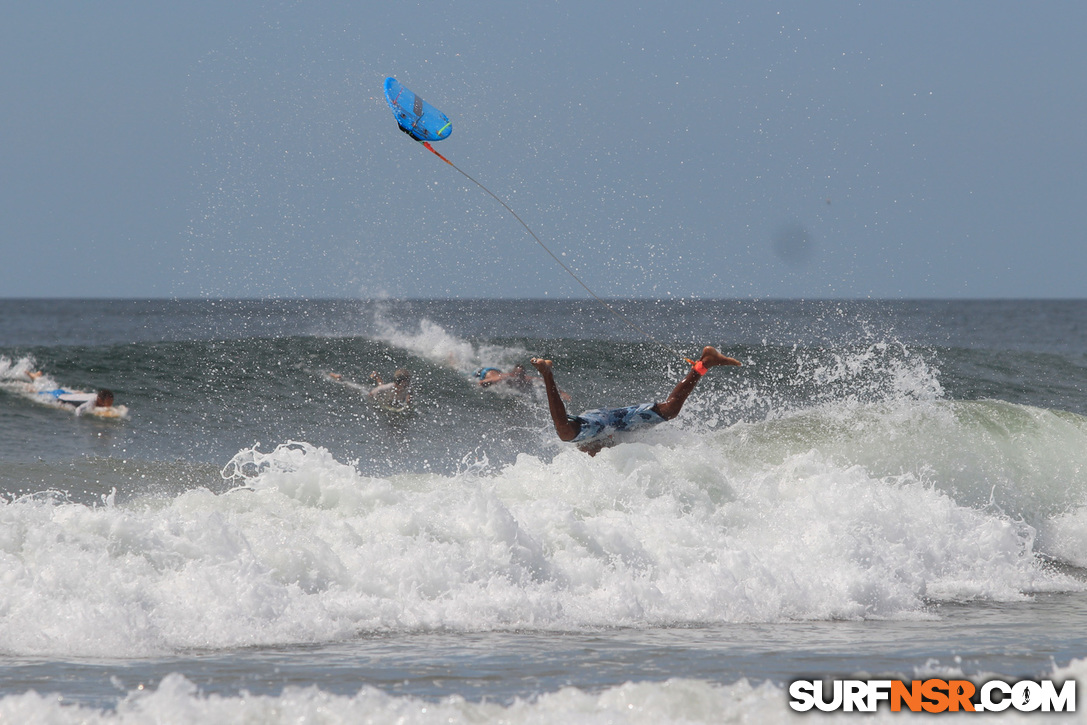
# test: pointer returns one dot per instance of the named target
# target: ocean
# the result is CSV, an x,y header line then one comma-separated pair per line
x,y
885,489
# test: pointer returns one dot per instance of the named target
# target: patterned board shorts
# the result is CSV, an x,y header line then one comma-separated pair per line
x,y
606,421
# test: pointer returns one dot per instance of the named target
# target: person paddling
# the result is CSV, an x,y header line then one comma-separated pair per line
x,y
395,394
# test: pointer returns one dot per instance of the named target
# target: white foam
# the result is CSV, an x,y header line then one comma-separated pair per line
x,y
432,342
16,370
15,379
178,700
15,376
1065,537
674,529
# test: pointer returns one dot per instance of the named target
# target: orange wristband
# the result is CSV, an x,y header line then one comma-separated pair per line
x,y
699,367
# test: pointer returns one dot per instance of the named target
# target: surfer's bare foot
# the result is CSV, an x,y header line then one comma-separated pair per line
x,y
541,365
711,358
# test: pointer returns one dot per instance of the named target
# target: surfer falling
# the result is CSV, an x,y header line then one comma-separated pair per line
x,y
594,429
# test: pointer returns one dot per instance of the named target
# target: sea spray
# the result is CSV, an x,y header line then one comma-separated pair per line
x,y
905,501
434,343
308,549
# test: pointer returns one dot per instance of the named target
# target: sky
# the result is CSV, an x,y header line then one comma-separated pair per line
x,y
802,149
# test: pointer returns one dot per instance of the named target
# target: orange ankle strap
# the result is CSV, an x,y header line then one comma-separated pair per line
x,y
700,367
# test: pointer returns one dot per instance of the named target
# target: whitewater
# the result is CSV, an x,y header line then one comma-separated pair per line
x,y
882,492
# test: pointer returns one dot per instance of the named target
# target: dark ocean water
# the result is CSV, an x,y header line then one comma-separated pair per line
x,y
895,487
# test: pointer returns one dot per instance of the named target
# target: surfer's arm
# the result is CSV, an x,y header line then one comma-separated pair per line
x,y
382,389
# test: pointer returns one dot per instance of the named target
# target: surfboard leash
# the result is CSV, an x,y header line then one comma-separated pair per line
x,y
562,264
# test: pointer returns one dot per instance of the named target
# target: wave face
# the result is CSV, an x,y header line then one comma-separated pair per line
x,y
844,480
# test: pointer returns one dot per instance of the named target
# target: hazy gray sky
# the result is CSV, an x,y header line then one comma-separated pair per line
x,y
710,149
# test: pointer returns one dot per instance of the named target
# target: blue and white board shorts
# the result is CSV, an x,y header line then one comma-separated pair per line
x,y
603,422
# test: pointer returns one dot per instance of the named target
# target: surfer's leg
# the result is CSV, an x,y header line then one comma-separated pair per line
x,y
710,358
566,428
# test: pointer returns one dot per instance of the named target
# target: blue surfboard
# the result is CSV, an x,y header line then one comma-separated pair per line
x,y
416,117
